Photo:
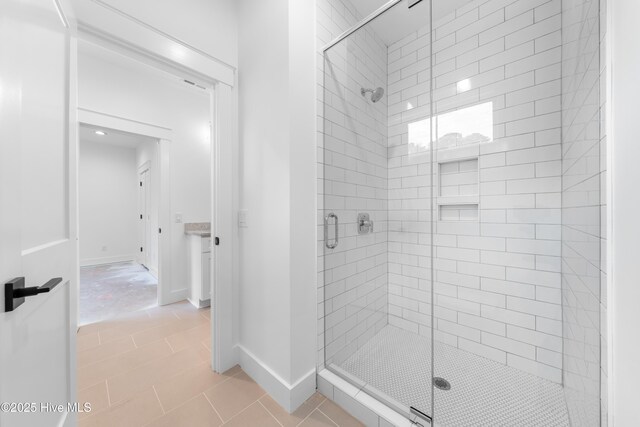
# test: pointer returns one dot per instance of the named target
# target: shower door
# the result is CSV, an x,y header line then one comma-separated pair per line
x,y
375,214
516,312
460,213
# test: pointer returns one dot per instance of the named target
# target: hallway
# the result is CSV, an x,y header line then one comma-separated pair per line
x,y
151,368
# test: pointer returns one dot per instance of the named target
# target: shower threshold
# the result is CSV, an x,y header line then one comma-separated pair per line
x,y
396,364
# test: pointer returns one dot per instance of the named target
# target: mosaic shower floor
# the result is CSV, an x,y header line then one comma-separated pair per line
x,y
483,392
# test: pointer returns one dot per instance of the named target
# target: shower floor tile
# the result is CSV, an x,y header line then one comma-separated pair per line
x,y
483,392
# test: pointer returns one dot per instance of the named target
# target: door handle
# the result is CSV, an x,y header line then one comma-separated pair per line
x,y
15,291
326,231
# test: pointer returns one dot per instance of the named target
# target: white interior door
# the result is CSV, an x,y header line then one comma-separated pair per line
x,y
37,211
145,220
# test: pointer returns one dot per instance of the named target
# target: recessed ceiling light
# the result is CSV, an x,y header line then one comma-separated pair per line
x,y
101,132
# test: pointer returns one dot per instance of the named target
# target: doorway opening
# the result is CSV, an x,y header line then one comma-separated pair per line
x,y
119,213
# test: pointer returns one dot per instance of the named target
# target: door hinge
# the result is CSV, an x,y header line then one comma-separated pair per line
x,y
140,216
140,248
140,183
420,414
217,241
159,230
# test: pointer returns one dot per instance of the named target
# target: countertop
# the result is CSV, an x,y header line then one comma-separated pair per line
x,y
201,229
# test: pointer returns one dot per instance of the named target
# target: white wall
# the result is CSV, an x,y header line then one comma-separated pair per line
x,y
108,203
209,26
115,85
623,128
277,185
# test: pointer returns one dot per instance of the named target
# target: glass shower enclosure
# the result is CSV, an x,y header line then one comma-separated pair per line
x,y
452,290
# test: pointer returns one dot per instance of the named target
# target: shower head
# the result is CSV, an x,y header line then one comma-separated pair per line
x,y
376,94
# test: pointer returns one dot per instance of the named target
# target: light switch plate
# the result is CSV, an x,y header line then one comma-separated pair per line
x,y
178,218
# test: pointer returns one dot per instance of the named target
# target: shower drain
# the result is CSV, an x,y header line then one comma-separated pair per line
x,y
441,383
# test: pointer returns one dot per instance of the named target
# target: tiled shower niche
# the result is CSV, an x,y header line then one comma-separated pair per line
x,y
458,184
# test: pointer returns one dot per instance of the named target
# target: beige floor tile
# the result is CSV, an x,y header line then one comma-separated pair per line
x,y
292,420
189,338
103,369
197,412
338,415
125,385
318,419
131,327
97,396
207,343
88,329
204,352
254,415
135,412
233,371
168,311
166,379
87,341
182,387
234,395
105,351
167,329
190,312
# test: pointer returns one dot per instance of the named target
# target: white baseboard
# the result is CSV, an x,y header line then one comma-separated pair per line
x,y
199,303
106,260
289,396
154,272
173,296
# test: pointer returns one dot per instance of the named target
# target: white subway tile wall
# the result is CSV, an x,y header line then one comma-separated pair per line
x,y
352,174
583,211
497,166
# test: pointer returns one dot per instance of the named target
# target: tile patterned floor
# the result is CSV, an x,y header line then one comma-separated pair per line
x,y
483,392
112,289
151,368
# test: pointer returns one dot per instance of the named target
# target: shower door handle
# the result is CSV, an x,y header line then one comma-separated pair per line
x,y
326,231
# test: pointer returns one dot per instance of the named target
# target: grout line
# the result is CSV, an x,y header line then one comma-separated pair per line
x,y
266,409
158,397
311,412
167,341
108,394
330,419
214,408
250,405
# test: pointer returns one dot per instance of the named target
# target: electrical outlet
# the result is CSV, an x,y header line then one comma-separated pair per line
x,y
178,218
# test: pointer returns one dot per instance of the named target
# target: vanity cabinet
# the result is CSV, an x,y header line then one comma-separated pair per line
x,y
200,269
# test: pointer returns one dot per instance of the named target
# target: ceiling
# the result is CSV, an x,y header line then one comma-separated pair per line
x,y
399,21
113,137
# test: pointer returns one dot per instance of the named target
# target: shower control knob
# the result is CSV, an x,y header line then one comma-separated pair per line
x,y
365,225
